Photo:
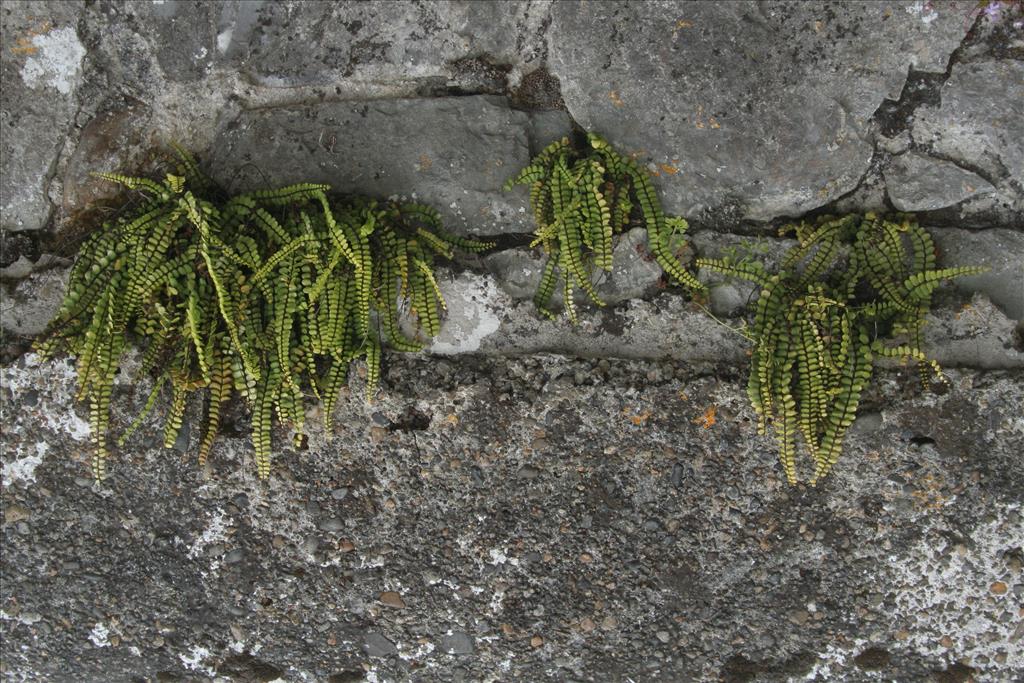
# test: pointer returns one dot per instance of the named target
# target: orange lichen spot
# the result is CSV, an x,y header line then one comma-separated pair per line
x,y
680,25
701,120
613,95
668,168
637,419
930,493
707,419
24,45
452,419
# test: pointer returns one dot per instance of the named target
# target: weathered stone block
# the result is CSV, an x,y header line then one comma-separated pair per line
x,y
1001,251
758,106
916,182
634,272
453,153
41,67
981,118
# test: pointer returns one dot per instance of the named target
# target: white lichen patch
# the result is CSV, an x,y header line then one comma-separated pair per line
x,y
56,62
54,381
418,653
38,427
24,469
833,661
193,661
99,636
473,302
924,10
215,532
224,39
956,600
26,619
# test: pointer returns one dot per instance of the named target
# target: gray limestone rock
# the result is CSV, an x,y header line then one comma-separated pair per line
x,y
484,319
517,271
894,145
27,306
500,516
184,36
758,108
916,182
41,67
453,153
117,141
977,335
376,645
980,121
934,481
378,42
728,299
634,272
979,124
546,127
457,643
1001,251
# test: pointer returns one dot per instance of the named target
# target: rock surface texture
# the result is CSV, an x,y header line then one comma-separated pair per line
x,y
528,500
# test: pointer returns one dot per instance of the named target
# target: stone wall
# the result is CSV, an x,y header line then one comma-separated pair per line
x,y
529,500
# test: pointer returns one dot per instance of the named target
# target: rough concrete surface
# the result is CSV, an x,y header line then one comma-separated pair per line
x,y
527,500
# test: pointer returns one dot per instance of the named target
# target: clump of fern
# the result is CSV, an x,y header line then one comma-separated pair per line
x,y
271,294
580,200
855,289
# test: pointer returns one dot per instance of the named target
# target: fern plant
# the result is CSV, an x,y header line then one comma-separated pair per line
x,y
580,200
853,290
271,294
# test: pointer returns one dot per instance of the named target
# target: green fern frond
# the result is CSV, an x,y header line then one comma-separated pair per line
x,y
158,190
754,272
581,199
291,195
270,295
813,356
921,285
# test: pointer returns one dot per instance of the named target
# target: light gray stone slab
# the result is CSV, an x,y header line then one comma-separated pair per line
x,y
634,272
41,64
374,41
981,118
916,182
976,335
453,153
482,318
754,109
1001,251
27,306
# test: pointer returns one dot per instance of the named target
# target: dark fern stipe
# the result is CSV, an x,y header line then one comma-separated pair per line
x,y
271,294
855,289
580,200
